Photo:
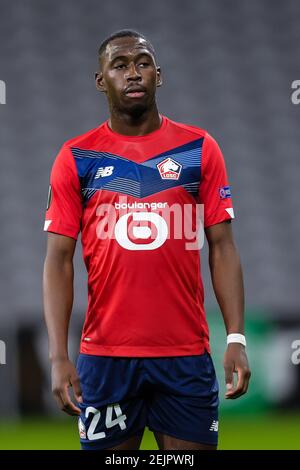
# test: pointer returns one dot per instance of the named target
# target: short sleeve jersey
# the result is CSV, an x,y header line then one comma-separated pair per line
x,y
137,202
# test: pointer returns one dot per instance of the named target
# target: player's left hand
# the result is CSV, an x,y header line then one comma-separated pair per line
x,y
236,362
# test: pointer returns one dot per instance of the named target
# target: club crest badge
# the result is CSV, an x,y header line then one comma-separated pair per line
x,y
81,428
169,169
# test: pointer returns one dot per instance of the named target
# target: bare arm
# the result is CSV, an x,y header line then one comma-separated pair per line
x,y
227,279
58,301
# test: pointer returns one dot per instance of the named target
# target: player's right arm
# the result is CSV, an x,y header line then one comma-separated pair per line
x,y
58,301
63,222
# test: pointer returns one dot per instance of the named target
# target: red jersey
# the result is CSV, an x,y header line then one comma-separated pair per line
x,y
135,200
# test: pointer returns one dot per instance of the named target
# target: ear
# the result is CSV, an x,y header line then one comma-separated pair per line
x,y
158,77
100,81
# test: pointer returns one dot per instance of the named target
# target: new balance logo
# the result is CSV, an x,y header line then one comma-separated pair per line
x,y
104,171
214,426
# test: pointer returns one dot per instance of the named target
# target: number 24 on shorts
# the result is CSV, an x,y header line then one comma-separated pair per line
x,y
91,435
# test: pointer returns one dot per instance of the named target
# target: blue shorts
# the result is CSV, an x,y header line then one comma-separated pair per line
x,y
177,396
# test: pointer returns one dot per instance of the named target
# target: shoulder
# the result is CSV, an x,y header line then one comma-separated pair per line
x,y
66,156
194,131
209,145
87,139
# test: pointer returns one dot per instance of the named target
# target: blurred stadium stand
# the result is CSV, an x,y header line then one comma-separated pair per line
x,y
227,67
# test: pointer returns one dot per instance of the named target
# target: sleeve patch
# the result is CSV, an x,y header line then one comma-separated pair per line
x,y
224,192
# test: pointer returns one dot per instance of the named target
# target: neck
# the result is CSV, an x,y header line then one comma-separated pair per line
x,y
132,125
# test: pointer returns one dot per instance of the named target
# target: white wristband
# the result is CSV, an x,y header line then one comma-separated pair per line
x,y
236,338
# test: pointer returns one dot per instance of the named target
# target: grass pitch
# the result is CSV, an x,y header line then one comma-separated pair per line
x,y
266,432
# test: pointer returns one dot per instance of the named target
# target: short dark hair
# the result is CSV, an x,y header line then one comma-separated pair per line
x,y
124,33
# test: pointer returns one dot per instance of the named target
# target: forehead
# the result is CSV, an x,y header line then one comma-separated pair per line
x,y
127,46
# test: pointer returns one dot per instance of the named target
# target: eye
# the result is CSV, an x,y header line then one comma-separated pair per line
x,y
144,64
119,66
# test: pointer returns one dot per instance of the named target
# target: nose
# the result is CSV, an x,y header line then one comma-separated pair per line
x,y
132,72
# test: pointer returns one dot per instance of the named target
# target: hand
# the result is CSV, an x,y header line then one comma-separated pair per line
x,y
235,361
64,375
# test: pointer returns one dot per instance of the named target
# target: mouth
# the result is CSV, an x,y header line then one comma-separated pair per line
x,y
135,92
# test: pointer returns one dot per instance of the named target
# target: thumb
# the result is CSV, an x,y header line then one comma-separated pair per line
x,y
77,389
229,368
